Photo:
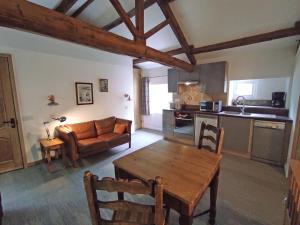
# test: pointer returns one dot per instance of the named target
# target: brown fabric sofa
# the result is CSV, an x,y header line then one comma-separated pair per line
x,y
92,137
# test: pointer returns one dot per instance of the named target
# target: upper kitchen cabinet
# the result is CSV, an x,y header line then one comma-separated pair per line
x,y
185,76
173,78
213,77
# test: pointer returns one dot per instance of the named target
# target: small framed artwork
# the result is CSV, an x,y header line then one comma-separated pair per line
x,y
103,85
84,93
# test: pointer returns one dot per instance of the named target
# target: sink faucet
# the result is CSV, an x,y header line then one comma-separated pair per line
x,y
243,108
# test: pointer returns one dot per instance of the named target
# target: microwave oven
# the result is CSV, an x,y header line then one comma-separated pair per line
x,y
211,106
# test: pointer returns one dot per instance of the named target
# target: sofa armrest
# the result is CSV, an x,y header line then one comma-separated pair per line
x,y
127,122
71,142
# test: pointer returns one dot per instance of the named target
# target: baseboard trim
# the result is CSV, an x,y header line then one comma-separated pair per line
x,y
30,164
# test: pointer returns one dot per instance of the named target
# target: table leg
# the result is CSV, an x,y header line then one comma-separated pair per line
x,y
117,176
213,198
186,220
49,159
43,153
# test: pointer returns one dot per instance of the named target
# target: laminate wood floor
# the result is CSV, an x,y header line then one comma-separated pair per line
x,y
250,193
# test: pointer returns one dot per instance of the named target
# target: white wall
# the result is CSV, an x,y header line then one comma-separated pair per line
x,y
264,60
45,66
262,88
295,93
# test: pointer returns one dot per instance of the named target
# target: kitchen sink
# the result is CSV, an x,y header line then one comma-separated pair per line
x,y
249,114
236,113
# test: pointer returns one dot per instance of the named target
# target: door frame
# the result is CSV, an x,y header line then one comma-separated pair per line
x,y
296,138
16,106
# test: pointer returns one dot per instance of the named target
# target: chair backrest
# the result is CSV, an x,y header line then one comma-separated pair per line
x,y
207,141
152,187
292,214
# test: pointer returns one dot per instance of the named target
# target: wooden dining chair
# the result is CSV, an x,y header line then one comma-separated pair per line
x,y
292,204
209,142
124,212
1,210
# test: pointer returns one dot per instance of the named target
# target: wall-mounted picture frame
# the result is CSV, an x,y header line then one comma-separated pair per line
x,y
103,83
84,93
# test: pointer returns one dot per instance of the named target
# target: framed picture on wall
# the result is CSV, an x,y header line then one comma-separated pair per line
x,y
103,83
84,93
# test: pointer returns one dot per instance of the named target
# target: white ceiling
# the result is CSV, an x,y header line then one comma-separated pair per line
x,y
203,22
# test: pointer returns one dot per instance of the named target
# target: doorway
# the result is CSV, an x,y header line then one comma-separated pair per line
x,y
11,157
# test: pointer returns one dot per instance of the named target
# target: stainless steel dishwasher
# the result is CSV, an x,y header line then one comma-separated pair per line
x,y
268,142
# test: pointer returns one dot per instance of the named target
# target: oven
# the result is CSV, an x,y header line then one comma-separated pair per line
x,y
184,123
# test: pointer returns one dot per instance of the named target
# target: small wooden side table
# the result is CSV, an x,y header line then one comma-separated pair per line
x,y
55,145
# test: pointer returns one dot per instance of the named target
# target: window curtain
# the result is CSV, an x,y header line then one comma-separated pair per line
x,y
145,96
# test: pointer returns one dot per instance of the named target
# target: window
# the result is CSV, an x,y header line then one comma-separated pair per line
x,y
159,98
244,89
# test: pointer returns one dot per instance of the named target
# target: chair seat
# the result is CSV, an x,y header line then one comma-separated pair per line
x,y
145,217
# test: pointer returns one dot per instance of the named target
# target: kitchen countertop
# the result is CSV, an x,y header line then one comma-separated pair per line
x,y
257,116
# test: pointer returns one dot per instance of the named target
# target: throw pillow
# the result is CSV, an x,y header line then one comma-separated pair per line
x,y
119,128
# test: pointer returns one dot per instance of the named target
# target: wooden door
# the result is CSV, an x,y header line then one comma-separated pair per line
x,y
137,98
10,148
296,139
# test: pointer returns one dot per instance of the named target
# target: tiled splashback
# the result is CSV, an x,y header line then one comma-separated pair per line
x,y
193,94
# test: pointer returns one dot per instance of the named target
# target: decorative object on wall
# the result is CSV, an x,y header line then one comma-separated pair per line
x,y
84,93
46,123
127,96
52,101
103,85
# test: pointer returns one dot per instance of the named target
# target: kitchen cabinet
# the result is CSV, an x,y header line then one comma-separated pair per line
x,y
169,127
237,135
168,124
173,77
213,77
185,76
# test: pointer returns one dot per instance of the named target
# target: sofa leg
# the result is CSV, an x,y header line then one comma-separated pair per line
x,y
129,144
75,163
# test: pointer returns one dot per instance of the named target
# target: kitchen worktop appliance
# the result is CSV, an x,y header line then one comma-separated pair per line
x,y
211,106
184,123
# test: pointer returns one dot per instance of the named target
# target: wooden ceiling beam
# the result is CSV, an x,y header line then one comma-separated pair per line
x,y
288,32
167,11
176,51
139,21
248,40
82,8
131,14
156,28
65,5
27,16
125,18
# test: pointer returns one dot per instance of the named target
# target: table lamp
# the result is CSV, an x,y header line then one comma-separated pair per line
x,y
60,119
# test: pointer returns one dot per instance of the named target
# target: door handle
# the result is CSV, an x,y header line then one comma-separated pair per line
x,y
12,122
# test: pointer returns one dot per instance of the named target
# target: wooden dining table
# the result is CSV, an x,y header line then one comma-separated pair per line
x,y
187,172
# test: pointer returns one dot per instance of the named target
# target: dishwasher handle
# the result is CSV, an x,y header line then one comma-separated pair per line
x,y
269,124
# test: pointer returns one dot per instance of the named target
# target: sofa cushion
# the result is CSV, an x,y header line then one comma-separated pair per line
x,y
114,139
92,144
83,130
120,128
105,126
